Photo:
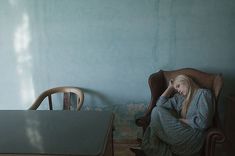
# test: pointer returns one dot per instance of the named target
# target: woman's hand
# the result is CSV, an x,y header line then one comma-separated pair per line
x,y
171,84
183,120
170,89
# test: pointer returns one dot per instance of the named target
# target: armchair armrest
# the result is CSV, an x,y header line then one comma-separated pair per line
x,y
214,136
142,121
156,84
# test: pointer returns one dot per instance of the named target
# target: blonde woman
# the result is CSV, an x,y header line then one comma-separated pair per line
x,y
178,122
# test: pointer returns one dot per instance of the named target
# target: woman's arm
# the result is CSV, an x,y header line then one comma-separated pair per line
x,y
204,112
165,100
170,89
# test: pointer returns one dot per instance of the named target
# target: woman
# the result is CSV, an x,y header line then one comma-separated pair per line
x,y
178,122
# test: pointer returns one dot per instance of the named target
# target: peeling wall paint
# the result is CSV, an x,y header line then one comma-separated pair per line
x,y
124,122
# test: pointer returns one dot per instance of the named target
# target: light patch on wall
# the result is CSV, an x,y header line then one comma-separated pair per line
x,y
13,2
22,41
22,35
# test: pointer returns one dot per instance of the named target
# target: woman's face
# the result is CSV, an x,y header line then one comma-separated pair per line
x,y
181,88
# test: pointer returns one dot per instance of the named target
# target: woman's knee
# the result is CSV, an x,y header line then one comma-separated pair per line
x,y
155,115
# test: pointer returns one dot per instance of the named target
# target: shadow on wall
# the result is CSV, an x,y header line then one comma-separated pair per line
x,y
229,84
94,100
228,89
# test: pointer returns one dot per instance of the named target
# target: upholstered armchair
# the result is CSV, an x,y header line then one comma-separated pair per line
x,y
159,81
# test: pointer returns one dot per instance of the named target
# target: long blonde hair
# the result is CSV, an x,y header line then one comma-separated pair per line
x,y
192,88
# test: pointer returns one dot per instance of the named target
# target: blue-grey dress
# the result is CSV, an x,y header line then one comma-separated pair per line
x,y
168,136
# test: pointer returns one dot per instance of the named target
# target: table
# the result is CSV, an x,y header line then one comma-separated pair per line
x,y
83,133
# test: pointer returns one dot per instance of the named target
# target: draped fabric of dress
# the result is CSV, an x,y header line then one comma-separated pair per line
x,y
166,135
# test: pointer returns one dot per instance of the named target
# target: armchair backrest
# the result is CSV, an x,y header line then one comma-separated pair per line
x,y
159,81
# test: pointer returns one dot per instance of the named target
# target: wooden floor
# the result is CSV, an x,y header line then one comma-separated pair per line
x,y
123,150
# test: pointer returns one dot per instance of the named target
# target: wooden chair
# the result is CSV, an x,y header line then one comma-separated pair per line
x,y
66,91
159,81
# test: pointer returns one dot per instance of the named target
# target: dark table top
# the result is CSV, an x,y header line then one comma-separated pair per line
x,y
54,132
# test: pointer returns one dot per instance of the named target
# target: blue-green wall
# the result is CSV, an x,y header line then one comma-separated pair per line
x,y
109,48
